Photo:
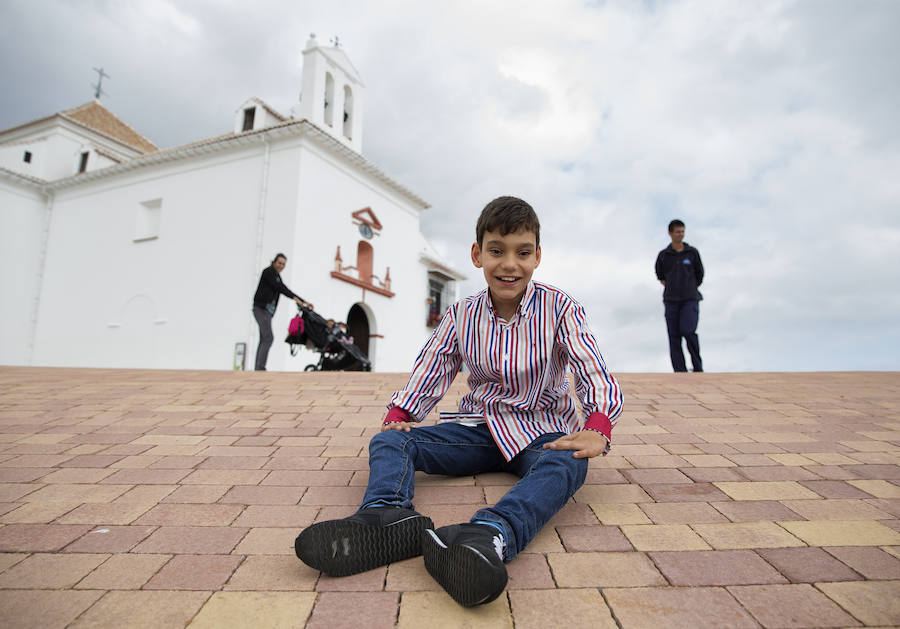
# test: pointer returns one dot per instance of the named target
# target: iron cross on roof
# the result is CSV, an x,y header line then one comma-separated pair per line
x,y
99,86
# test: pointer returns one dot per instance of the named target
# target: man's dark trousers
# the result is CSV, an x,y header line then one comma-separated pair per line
x,y
681,321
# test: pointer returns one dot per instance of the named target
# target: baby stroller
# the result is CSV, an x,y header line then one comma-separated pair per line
x,y
336,350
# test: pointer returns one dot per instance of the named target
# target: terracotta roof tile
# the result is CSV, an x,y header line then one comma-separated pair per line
x,y
98,117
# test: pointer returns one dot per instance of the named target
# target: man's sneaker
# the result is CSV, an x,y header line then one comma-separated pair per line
x,y
465,560
367,539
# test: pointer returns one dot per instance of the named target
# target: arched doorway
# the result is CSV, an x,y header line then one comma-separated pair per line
x,y
358,328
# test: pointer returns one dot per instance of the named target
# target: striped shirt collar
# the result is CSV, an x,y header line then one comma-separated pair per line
x,y
525,308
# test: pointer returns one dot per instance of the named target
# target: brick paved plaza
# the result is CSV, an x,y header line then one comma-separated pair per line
x,y
165,499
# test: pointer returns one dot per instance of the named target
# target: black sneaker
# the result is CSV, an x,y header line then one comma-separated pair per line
x,y
367,539
465,560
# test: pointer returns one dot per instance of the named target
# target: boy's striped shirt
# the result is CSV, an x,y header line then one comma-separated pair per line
x,y
517,368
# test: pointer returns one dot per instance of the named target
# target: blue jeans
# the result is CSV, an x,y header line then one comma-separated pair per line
x,y
681,321
548,478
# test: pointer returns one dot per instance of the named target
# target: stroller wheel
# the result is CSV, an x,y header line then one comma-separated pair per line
x,y
309,368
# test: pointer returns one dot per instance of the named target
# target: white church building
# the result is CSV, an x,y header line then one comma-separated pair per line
x,y
116,253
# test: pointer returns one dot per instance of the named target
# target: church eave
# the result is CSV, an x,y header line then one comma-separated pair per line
x,y
19,178
293,128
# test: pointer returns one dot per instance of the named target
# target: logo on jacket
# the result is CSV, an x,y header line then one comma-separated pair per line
x,y
686,261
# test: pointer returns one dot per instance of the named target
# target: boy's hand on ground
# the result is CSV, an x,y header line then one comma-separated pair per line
x,y
586,443
398,426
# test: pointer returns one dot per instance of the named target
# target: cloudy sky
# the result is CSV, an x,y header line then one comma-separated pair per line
x,y
771,128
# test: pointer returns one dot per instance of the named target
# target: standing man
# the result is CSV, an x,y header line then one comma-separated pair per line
x,y
679,269
264,303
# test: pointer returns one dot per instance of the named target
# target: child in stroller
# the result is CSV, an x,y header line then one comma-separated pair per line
x,y
336,350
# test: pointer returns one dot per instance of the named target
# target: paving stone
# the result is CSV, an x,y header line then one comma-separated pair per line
x,y
225,477
611,494
834,489
274,573
276,516
529,571
842,533
795,605
43,609
443,612
50,571
737,535
38,512
681,512
191,540
10,559
696,492
411,576
191,515
772,490
872,602
877,488
715,567
807,565
196,494
620,514
63,492
194,572
263,495
571,515
629,569
268,541
351,610
872,563
111,513
646,537
38,537
123,572
539,609
836,510
645,476
578,539
141,610
668,607
110,539
755,511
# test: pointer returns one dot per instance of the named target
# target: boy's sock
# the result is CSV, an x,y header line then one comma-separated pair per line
x,y
464,559
365,540
499,539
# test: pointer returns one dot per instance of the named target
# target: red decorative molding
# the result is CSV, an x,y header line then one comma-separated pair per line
x,y
361,284
367,216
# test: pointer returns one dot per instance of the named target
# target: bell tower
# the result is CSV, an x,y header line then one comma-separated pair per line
x,y
332,95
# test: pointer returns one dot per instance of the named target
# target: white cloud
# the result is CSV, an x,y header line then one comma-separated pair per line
x,y
771,128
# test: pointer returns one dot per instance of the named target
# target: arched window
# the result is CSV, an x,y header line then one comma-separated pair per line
x,y
329,99
348,112
364,261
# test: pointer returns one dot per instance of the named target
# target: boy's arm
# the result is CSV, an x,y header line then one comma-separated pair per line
x,y
600,393
433,372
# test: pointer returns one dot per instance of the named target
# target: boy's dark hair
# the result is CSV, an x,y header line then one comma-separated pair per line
x,y
675,223
507,215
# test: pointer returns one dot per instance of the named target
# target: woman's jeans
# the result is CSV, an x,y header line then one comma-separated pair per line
x,y
548,477
264,320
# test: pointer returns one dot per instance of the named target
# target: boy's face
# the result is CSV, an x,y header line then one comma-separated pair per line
x,y
508,262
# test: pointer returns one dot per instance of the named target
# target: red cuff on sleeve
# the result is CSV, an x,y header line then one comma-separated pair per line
x,y
397,414
599,421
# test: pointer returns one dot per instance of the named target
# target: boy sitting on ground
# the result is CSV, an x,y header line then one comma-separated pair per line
x,y
517,338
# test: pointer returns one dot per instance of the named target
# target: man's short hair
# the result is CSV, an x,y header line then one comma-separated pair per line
x,y
507,215
279,255
675,223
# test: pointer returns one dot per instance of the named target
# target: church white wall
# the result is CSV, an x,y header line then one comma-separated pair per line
x,y
22,212
180,300
328,195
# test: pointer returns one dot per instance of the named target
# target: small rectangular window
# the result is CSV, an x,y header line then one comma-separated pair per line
x,y
82,166
27,157
146,224
249,116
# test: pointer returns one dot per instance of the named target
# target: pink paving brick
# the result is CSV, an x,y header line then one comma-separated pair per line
x,y
190,515
194,572
667,607
677,492
110,539
263,495
870,562
369,581
38,537
807,565
645,476
796,605
715,567
755,511
834,489
206,540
